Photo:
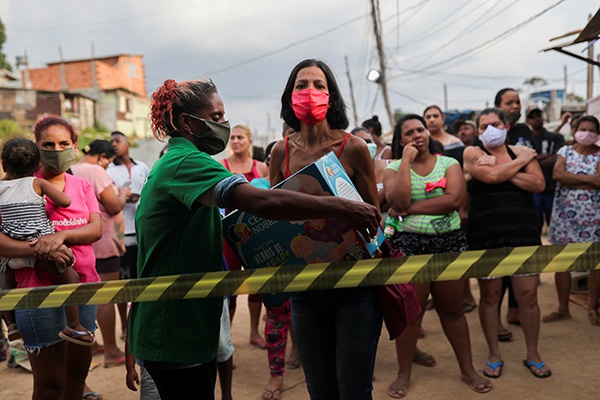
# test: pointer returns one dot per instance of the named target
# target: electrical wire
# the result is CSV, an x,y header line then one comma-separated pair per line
x,y
492,41
465,31
286,47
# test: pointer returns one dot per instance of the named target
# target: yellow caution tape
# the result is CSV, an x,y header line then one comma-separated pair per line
x,y
422,268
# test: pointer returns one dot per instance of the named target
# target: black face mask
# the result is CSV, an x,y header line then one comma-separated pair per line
x,y
215,138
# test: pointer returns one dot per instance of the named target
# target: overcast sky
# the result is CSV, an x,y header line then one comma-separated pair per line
x,y
249,47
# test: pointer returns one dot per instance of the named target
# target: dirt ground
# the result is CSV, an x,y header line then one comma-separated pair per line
x,y
570,348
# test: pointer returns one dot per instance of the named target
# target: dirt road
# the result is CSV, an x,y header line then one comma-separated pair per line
x,y
571,348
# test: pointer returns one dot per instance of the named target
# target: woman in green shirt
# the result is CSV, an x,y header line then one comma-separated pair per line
x,y
178,226
426,190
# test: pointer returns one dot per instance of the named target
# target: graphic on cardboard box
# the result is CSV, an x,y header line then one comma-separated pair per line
x,y
260,243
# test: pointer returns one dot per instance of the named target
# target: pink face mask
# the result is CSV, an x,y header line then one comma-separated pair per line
x,y
586,138
310,105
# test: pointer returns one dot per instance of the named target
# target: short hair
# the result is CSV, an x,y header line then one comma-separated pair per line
x,y
459,123
397,147
498,98
120,134
491,110
21,157
437,108
52,120
172,99
98,147
336,114
358,129
374,124
588,118
536,112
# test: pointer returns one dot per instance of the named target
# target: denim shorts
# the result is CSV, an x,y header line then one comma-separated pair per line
x,y
39,327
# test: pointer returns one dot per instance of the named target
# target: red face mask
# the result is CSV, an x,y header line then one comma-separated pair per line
x,y
310,105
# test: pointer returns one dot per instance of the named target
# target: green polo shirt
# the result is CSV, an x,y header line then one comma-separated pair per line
x,y
178,236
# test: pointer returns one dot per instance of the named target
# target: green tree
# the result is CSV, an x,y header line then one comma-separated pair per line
x,y
9,128
535,81
574,98
398,113
3,62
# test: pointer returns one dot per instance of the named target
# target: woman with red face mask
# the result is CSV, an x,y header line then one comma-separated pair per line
x,y
336,331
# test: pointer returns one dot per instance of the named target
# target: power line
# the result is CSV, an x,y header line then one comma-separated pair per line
x,y
491,41
286,47
422,36
467,29
411,98
110,21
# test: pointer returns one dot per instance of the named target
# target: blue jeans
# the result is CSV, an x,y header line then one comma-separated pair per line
x,y
337,332
39,327
543,208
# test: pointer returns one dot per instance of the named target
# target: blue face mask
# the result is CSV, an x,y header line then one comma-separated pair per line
x,y
372,149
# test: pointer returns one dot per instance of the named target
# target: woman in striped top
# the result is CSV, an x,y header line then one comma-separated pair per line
x,y
426,190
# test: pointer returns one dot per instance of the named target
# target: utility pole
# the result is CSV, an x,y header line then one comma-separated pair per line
x,y
351,91
63,72
445,97
566,81
377,29
590,68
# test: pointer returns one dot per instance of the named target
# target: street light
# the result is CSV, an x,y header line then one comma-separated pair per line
x,y
374,76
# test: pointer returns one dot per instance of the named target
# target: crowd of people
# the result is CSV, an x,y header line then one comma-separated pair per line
x,y
494,183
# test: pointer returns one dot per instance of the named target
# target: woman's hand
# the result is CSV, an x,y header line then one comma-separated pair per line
x,y
364,217
45,247
63,257
410,152
523,152
132,379
133,198
124,191
486,160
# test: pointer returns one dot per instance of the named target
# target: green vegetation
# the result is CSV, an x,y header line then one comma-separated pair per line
x,y
9,128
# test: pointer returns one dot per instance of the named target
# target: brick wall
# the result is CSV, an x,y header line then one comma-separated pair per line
x,y
111,73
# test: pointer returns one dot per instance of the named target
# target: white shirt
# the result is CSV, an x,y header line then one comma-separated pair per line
x,y
119,174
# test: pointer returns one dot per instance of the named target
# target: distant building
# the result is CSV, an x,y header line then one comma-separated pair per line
x,y
116,83
26,106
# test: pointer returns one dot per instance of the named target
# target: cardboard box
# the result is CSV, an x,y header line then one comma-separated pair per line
x,y
260,243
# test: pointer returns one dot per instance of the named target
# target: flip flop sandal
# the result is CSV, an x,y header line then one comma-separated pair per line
x,y
74,335
539,366
476,388
424,359
504,335
594,318
259,343
13,332
494,366
398,393
271,394
293,363
92,395
469,306
555,316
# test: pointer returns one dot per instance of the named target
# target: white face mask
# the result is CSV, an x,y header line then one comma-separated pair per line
x,y
493,137
372,149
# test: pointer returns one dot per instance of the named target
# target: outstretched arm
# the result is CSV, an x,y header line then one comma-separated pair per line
x,y
43,187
